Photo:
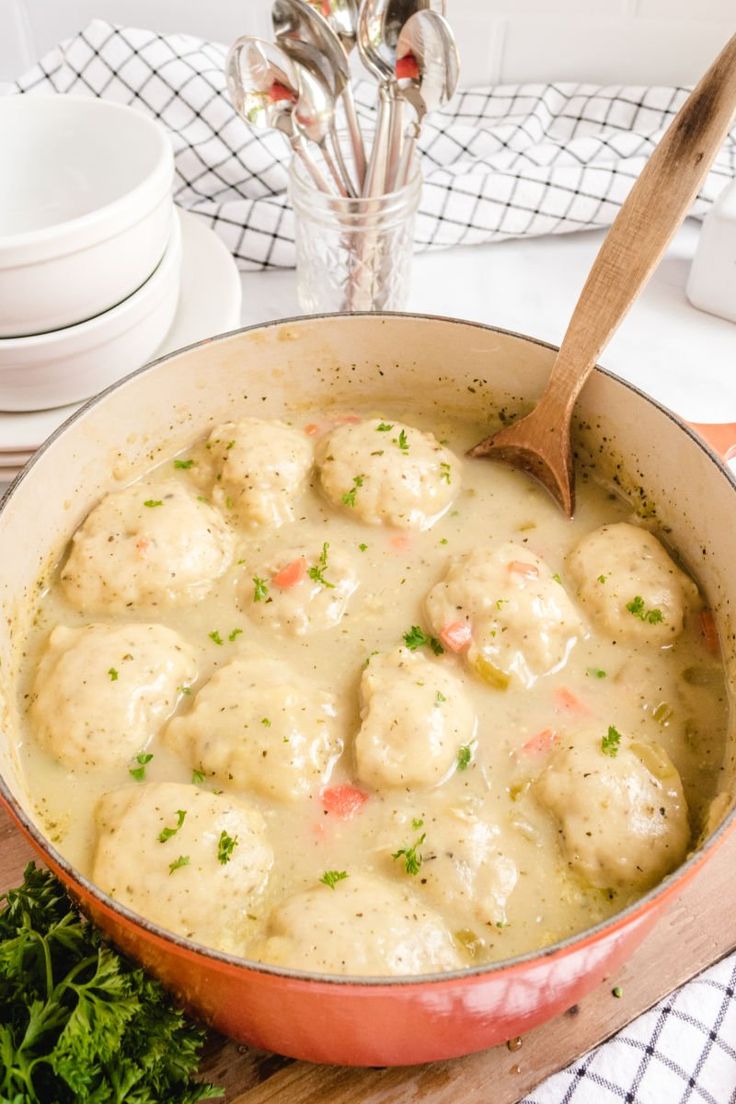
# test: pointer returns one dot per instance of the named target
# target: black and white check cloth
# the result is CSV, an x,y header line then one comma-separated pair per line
x,y
500,162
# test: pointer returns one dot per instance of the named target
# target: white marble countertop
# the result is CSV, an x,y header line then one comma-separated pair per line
x,y
682,356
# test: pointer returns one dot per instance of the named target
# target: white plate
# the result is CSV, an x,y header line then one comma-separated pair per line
x,y
209,303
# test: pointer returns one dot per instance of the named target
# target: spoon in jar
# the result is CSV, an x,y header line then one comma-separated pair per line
x,y
427,72
262,88
298,21
379,25
656,205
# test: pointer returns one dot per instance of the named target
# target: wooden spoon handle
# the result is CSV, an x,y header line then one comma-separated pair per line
x,y
653,210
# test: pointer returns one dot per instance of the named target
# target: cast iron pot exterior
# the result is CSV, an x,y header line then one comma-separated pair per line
x,y
311,364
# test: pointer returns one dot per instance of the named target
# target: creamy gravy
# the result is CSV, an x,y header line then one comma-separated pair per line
x,y
673,695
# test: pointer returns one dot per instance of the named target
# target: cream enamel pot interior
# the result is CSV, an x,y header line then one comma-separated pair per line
x,y
339,361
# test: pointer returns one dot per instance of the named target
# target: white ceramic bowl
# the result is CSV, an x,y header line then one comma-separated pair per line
x,y
68,365
85,208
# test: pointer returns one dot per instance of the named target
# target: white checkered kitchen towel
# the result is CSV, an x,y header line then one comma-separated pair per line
x,y
499,162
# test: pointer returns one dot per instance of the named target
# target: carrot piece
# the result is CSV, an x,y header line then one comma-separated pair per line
x,y
400,542
542,741
279,91
526,570
344,801
565,699
347,419
312,429
407,67
709,631
291,574
456,636
142,545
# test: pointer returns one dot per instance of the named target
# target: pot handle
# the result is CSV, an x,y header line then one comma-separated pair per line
x,y
721,436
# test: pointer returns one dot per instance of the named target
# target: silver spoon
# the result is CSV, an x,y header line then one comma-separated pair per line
x,y
379,26
427,73
342,15
297,20
314,114
262,87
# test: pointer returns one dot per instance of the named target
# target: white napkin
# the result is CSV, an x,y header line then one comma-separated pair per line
x,y
500,162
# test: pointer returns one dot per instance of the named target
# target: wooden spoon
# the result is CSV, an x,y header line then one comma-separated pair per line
x,y
656,205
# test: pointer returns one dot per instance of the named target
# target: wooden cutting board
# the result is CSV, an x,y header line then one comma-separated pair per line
x,y
697,931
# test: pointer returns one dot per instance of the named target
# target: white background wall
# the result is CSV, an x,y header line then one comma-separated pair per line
x,y
639,41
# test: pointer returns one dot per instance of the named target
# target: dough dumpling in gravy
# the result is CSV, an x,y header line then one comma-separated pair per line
x,y
629,585
363,925
257,725
194,862
152,544
415,718
387,473
464,866
260,469
621,811
503,608
301,590
101,692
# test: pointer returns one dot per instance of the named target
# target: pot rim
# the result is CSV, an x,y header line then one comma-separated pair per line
x,y
556,950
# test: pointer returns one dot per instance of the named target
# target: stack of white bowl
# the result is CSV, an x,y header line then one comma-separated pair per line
x,y
90,249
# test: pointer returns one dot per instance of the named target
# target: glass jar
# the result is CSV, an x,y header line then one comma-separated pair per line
x,y
352,254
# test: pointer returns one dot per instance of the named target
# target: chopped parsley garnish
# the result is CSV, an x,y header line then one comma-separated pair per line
x,y
417,638
595,672
610,742
363,547
183,689
139,772
183,465
265,722
235,633
113,674
412,861
602,578
384,427
557,579
417,823
464,756
197,777
617,992
401,441
166,833
260,589
501,602
225,847
229,445
445,472
215,637
638,609
348,499
332,877
151,502
183,860
317,572
439,698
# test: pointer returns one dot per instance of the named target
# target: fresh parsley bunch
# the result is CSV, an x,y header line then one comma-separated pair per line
x,y
79,1023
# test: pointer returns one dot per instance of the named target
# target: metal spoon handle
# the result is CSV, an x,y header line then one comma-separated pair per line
x,y
652,211
297,145
356,136
376,171
411,137
333,169
395,141
340,163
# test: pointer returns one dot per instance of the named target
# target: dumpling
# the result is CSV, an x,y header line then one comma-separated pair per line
x,y
505,607
630,586
464,866
101,692
152,544
387,473
260,468
415,717
300,590
194,862
362,925
257,725
622,815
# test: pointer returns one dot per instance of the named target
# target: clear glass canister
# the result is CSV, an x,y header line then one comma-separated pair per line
x,y
352,254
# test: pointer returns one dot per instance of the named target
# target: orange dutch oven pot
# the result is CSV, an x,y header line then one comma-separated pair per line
x,y
300,366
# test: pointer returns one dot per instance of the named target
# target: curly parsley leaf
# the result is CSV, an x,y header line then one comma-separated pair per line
x,y
139,772
637,607
317,572
260,589
610,742
412,859
464,756
80,1023
348,499
417,638
225,847
166,833
332,877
